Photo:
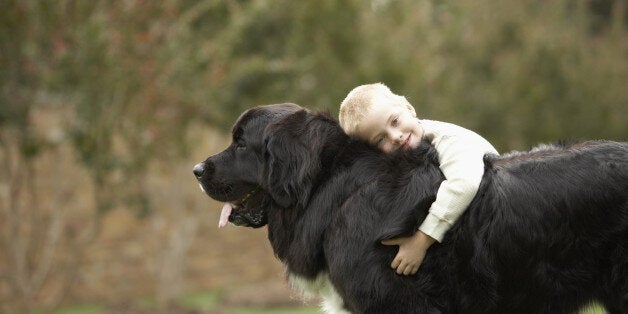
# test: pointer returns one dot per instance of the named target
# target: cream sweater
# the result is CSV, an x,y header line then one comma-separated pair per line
x,y
460,153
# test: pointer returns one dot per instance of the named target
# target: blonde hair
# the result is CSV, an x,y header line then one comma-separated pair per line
x,y
359,101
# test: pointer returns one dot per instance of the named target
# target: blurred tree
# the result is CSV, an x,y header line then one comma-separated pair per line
x,y
30,230
135,75
518,72
139,72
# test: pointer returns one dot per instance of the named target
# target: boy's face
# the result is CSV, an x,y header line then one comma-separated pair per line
x,y
391,126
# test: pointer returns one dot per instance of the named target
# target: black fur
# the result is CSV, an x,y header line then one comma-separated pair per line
x,y
546,233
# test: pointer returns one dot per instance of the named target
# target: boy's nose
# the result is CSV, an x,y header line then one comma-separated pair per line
x,y
397,137
394,135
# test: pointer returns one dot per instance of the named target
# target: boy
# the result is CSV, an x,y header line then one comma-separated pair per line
x,y
374,113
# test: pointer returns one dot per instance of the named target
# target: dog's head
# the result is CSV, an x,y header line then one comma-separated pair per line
x,y
272,161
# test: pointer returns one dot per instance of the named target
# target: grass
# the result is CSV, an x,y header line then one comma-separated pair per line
x,y
76,309
210,300
278,311
81,309
204,300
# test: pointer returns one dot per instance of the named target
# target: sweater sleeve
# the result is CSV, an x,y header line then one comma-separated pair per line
x,y
461,153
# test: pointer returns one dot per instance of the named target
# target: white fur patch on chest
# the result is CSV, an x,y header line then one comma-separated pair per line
x,y
321,287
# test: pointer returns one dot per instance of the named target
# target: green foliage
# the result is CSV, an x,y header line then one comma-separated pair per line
x,y
137,74
518,72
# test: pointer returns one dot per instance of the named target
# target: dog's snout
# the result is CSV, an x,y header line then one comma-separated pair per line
x,y
203,169
198,170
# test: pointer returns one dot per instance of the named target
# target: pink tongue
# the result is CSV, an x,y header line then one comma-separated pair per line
x,y
224,215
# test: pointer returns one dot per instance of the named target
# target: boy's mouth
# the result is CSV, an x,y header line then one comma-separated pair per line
x,y
406,143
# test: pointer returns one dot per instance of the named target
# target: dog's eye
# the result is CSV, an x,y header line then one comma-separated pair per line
x,y
240,145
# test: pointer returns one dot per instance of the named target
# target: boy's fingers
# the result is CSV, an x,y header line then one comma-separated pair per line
x,y
408,270
403,268
395,263
400,270
391,242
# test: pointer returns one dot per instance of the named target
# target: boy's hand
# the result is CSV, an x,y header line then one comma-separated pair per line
x,y
411,252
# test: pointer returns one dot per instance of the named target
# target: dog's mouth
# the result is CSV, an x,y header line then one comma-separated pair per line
x,y
247,211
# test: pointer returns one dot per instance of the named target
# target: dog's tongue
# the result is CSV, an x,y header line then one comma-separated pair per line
x,y
224,215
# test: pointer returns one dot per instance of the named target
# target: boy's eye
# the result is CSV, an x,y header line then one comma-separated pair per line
x,y
395,121
378,140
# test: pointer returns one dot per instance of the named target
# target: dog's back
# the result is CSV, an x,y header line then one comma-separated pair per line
x,y
549,231
546,233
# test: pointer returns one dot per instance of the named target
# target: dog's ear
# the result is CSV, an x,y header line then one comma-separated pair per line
x,y
291,159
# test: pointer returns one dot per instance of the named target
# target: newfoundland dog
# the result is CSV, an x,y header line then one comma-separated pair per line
x,y
546,233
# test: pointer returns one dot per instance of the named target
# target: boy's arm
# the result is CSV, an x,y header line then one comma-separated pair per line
x,y
461,161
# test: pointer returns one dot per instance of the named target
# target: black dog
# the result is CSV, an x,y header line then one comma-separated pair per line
x,y
546,233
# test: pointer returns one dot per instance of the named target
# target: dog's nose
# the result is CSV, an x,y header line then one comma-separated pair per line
x,y
198,170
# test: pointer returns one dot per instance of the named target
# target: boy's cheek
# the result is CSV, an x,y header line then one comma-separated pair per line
x,y
386,148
